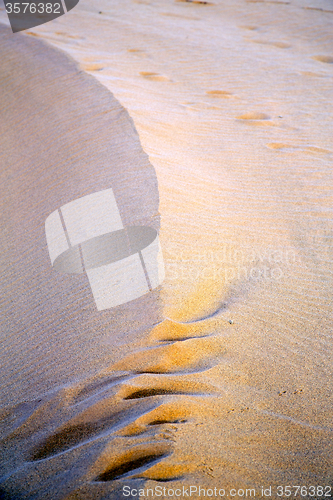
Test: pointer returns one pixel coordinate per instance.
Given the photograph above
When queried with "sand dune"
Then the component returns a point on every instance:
(222, 376)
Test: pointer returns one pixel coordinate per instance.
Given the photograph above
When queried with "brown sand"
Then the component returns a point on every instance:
(223, 377)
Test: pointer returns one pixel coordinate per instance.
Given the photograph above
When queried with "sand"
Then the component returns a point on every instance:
(222, 376)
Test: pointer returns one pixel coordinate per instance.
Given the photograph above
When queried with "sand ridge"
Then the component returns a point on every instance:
(226, 377)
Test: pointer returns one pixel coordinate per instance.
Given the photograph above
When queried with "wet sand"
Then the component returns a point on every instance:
(222, 377)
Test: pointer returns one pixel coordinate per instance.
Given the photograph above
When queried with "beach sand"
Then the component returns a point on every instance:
(221, 377)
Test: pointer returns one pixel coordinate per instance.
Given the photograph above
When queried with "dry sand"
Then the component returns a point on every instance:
(222, 377)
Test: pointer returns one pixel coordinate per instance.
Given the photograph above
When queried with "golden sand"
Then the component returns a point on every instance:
(221, 378)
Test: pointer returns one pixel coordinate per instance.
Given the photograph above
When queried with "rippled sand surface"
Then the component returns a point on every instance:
(223, 376)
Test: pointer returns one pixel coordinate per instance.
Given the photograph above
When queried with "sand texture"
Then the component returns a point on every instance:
(212, 123)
